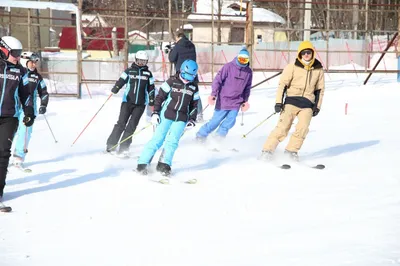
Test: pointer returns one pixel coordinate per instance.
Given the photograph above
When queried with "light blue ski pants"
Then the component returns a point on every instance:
(168, 132)
(22, 137)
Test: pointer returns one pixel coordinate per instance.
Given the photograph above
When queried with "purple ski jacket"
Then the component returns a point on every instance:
(232, 86)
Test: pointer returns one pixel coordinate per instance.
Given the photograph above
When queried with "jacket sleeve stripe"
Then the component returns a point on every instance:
(196, 96)
(165, 87)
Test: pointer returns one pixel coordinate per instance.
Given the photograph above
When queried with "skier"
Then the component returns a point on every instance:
(303, 83)
(14, 94)
(183, 50)
(230, 92)
(175, 109)
(37, 87)
(138, 93)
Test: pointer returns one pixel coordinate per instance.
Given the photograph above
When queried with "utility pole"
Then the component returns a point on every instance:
(307, 21)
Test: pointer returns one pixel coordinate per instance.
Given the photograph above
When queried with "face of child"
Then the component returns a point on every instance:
(31, 65)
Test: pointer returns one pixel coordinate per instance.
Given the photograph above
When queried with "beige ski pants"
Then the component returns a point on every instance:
(286, 119)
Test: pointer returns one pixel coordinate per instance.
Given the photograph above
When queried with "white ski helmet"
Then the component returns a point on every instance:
(141, 58)
(28, 56)
(10, 45)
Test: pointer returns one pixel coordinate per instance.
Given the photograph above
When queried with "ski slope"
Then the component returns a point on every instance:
(82, 207)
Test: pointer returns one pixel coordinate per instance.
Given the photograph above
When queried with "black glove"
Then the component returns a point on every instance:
(115, 89)
(42, 110)
(315, 111)
(278, 107)
(28, 120)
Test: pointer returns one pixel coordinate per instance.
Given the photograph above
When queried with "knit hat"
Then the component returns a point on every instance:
(243, 57)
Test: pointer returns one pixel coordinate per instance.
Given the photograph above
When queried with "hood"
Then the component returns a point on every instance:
(185, 42)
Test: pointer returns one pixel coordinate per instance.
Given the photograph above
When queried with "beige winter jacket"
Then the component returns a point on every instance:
(303, 84)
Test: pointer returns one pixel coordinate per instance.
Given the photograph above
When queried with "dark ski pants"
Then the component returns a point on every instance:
(131, 112)
(8, 127)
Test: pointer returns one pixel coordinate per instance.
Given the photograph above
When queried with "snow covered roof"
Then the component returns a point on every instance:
(186, 27)
(45, 5)
(231, 8)
(135, 34)
(93, 20)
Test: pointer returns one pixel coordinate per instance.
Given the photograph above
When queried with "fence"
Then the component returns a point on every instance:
(101, 46)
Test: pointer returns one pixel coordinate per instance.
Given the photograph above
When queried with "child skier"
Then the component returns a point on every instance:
(175, 109)
(37, 87)
(230, 92)
(138, 93)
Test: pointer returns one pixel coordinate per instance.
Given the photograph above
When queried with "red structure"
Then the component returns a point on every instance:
(68, 38)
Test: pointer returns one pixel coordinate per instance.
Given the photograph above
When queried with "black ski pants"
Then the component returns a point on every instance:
(8, 127)
(129, 112)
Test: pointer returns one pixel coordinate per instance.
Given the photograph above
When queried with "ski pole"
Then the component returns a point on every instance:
(92, 119)
(136, 132)
(259, 124)
(50, 129)
(26, 140)
(242, 119)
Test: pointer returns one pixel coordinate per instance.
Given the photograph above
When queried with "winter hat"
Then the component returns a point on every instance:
(243, 57)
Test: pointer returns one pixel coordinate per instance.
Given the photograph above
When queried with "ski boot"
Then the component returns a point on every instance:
(163, 168)
(109, 150)
(142, 169)
(292, 155)
(266, 156)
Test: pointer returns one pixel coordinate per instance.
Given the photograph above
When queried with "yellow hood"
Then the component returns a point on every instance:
(306, 45)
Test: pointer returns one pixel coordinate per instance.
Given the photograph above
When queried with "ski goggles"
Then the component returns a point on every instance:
(34, 58)
(16, 52)
(243, 59)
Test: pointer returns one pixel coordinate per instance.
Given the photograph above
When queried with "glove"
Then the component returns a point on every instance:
(245, 106)
(155, 119)
(315, 111)
(115, 89)
(28, 120)
(211, 100)
(42, 110)
(29, 116)
(278, 107)
(191, 124)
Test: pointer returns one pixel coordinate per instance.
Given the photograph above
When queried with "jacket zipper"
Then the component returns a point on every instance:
(4, 87)
(138, 87)
(305, 85)
(177, 102)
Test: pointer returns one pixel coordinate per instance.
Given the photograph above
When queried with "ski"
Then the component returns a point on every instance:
(121, 156)
(165, 180)
(285, 166)
(4, 208)
(317, 166)
(21, 168)
(219, 150)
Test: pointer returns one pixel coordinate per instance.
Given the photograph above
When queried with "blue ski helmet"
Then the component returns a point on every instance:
(189, 69)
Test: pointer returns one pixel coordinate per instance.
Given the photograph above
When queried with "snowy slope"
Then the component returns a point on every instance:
(81, 207)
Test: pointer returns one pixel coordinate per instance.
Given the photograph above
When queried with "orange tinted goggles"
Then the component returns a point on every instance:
(243, 60)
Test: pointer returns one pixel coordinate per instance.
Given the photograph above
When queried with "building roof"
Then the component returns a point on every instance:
(232, 9)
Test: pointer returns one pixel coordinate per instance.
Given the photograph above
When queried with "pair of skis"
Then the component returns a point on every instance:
(165, 180)
(288, 166)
